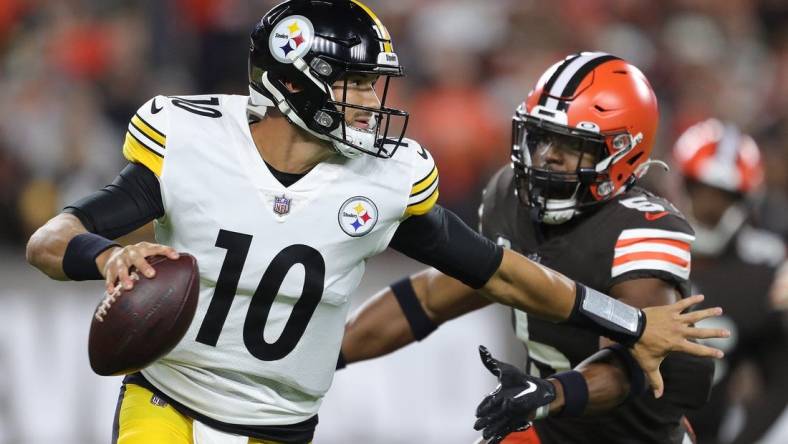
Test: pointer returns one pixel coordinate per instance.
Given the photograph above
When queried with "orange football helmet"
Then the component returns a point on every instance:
(719, 155)
(596, 104)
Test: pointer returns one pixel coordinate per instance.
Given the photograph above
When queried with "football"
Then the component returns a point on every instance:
(131, 329)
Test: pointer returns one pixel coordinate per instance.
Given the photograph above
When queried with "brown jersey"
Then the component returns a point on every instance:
(739, 280)
(634, 236)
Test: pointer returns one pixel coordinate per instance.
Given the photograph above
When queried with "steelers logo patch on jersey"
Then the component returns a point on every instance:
(357, 216)
(291, 39)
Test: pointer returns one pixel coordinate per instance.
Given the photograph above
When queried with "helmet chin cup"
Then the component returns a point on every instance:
(558, 211)
(354, 138)
(551, 211)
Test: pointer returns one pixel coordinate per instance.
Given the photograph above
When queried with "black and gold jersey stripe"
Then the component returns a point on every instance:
(423, 194)
(145, 144)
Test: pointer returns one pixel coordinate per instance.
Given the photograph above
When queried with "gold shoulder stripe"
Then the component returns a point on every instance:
(424, 183)
(135, 151)
(147, 129)
(424, 206)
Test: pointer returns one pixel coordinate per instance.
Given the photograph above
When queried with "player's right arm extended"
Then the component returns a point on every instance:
(63, 247)
(393, 318)
(439, 238)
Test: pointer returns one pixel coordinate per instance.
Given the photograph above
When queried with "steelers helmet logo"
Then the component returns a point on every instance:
(357, 216)
(291, 39)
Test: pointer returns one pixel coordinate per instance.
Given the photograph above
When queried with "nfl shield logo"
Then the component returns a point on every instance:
(281, 205)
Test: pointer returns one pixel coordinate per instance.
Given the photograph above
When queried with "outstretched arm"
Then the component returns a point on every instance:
(380, 326)
(439, 238)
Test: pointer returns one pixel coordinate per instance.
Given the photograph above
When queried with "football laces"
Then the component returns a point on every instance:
(110, 298)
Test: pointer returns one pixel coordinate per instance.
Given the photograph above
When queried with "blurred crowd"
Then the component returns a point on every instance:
(72, 73)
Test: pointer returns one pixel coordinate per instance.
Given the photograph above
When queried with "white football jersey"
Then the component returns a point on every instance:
(277, 265)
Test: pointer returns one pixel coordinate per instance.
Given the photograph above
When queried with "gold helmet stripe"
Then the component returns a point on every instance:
(382, 31)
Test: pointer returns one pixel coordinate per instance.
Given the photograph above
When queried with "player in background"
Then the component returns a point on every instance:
(310, 169)
(569, 200)
(735, 265)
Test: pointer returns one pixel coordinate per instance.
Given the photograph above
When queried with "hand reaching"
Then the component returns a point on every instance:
(668, 329)
(513, 404)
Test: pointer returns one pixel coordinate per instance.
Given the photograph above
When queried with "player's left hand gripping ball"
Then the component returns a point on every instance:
(511, 406)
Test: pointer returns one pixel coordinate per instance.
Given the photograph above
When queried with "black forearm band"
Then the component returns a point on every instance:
(606, 316)
(79, 260)
(341, 361)
(637, 379)
(420, 324)
(575, 393)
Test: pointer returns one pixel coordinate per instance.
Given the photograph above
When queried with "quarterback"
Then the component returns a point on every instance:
(281, 196)
(581, 139)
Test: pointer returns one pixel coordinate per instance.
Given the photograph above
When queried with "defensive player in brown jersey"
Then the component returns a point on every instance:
(736, 265)
(569, 200)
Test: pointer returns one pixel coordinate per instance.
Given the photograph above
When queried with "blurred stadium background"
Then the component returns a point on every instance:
(72, 72)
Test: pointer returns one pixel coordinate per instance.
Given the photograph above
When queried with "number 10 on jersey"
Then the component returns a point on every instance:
(237, 246)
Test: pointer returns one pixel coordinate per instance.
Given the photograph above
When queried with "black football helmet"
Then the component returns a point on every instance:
(313, 44)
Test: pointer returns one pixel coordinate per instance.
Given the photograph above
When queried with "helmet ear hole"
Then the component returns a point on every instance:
(292, 86)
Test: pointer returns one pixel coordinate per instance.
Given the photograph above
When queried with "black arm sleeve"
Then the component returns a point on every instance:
(442, 240)
(129, 202)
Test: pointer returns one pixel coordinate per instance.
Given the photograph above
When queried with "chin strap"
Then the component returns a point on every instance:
(258, 103)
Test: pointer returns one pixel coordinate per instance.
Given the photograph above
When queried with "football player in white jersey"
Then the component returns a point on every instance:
(304, 171)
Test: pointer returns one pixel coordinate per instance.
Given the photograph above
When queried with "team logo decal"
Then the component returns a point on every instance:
(291, 38)
(357, 216)
(281, 205)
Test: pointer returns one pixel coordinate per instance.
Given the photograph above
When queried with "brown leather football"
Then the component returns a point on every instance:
(133, 328)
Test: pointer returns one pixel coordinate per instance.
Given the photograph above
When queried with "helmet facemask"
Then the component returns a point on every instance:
(374, 140)
(557, 195)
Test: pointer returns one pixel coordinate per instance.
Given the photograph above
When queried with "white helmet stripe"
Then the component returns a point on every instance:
(565, 75)
(727, 146)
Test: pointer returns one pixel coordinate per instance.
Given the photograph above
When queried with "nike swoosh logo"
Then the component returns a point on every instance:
(530, 389)
(655, 216)
(153, 108)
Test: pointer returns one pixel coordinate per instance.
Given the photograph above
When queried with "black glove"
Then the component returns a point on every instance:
(508, 408)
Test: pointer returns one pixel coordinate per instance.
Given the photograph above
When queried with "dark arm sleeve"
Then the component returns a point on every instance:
(441, 239)
(129, 202)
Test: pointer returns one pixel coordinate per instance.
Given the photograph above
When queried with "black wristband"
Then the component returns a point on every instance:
(79, 260)
(607, 316)
(575, 393)
(420, 324)
(341, 361)
(637, 379)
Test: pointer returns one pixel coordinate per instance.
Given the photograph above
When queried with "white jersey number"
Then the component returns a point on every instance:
(641, 203)
(237, 246)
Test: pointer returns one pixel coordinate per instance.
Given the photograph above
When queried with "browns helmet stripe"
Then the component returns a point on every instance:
(549, 84)
(579, 75)
(727, 147)
(568, 77)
